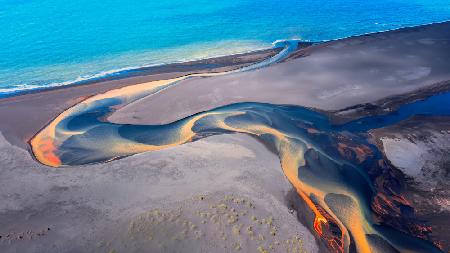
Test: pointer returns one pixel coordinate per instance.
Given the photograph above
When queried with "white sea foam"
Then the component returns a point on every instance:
(175, 55)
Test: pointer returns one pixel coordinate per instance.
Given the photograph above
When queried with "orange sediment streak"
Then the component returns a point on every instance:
(44, 151)
(45, 145)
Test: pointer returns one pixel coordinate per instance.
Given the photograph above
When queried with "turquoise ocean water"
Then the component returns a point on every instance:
(53, 42)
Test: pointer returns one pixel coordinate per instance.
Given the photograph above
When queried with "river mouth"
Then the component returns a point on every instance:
(332, 167)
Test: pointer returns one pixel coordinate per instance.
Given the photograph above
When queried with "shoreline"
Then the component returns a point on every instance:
(327, 77)
(184, 66)
(64, 97)
(125, 73)
(28, 113)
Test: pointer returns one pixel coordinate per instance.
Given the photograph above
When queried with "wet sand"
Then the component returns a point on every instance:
(329, 76)
(24, 115)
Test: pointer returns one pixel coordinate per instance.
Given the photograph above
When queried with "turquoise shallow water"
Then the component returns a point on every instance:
(51, 42)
